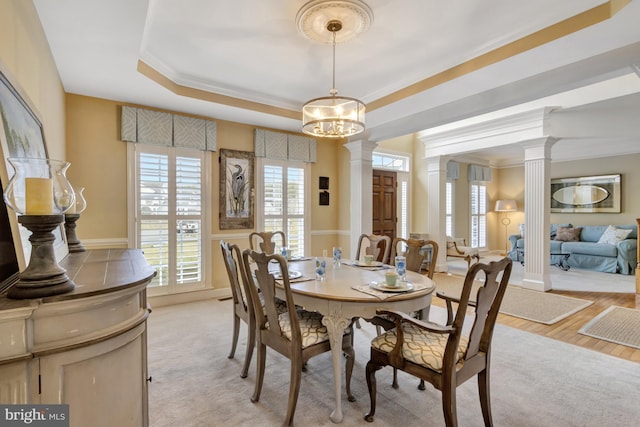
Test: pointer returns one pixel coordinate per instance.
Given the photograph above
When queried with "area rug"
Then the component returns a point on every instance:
(535, 381)
(620, 325)
(526, 304)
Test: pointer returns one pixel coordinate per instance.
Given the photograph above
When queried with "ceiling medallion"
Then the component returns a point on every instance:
(312, 19)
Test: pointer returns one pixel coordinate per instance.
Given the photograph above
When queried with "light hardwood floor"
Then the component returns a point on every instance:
(566, 330)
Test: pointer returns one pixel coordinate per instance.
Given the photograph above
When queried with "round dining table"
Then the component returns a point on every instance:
(346, 293)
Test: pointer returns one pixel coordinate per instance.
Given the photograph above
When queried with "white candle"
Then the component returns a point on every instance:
(39, 196)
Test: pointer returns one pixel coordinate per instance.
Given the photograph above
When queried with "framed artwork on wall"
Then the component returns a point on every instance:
(21, 136)
(586, 194)
(236, 189)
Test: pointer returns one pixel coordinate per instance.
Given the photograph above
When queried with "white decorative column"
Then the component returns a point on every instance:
(436, 202)
(537, 206)
(361, 187)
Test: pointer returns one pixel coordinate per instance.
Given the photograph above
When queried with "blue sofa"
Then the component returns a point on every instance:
(588, 253)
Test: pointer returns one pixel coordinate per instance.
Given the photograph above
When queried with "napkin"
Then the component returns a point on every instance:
(384, 295)
(351, 264)
(369, 290)
(297, 279)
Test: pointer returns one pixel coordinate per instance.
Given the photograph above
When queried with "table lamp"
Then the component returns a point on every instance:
(506, 206)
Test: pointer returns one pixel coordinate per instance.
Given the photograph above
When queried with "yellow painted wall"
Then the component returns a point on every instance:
(99, 163)
(26, 60)
(512, 186)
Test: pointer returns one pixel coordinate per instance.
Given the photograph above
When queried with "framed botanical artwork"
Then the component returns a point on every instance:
(21, 136)
(236, 189)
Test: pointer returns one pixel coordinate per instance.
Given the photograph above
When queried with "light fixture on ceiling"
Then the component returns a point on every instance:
(333, 116)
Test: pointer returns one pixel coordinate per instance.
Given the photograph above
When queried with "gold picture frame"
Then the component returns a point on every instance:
(236, 189)
(586, 194)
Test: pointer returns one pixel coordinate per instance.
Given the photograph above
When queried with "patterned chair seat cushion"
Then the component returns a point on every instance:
(281, 305)
(420, 347)
(311, 327)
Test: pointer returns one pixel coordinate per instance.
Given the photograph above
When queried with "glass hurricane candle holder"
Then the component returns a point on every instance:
(71, 217)
(40, 193)
(39, 187)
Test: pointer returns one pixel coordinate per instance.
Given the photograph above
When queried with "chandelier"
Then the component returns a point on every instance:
(333, 116)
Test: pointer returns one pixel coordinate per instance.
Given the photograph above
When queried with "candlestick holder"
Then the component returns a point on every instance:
(40, 193)
(43, 276)
(71, 217)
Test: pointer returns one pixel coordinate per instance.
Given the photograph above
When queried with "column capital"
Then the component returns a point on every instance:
(437, 163)
(361, 149)
(539, 148)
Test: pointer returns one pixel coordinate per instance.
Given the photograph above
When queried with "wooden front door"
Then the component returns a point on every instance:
(384, 203)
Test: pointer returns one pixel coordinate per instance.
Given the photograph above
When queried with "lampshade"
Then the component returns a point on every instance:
(506, 205)
(333, 116)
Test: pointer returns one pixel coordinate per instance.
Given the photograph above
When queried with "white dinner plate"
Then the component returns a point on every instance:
(292, 275)
(363, 264)
(402, 287)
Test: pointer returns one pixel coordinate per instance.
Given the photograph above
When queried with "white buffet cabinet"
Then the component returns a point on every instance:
(86, 348)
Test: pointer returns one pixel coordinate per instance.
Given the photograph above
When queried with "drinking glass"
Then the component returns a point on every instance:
(337, 256)
(321, 266)
(401, 267)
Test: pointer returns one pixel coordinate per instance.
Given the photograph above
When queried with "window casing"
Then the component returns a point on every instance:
(168, 193)
(284, 201)
(478, 205)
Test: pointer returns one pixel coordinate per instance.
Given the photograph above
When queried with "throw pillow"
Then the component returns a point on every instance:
(613, 235)
(568, 234)
(521, 227)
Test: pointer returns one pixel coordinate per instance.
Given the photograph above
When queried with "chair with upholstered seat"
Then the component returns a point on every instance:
(457, 247)
(265, 241)
(296, 334)
(441, 354)
(420, 254)
(242, 303)
(378, 246)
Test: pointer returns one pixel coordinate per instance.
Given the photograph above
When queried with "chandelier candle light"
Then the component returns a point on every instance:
(40, 193)
(333, 116)
(506, 206)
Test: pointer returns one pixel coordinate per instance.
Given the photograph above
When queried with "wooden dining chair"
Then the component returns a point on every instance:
(242, 303)
(297, 334)
(378, 246)
(266, 241)
(441, 354)
(420, 254)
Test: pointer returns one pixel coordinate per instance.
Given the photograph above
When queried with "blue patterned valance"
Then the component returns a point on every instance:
(170, 130)
(284, 146)
(479, 173)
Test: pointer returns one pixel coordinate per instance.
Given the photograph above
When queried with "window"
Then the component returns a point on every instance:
(390, 161)
(284, 201)
(168, 217)
(478, 204)
(448, 219)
